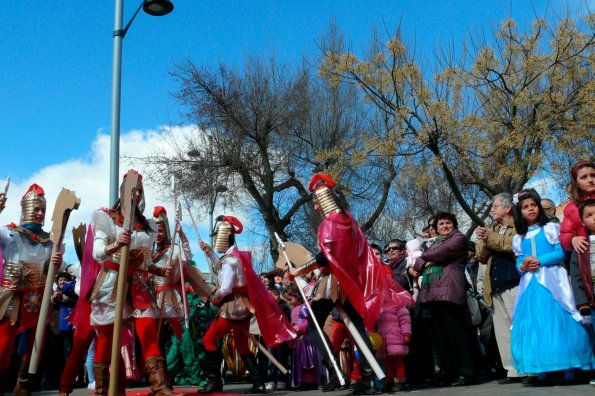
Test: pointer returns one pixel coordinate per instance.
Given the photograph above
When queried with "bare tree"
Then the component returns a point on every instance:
(492, 118)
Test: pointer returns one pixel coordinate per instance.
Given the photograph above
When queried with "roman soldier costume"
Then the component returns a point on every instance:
(240, 294)
(139, 307)
(364, 287)
(168, 288)
(27, 253)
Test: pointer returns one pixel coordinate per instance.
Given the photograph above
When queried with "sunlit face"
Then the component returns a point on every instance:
(432, 231)
(498, 210)
(161, 233)
(62, 282)
(393, 251)
(589, 218)
(286, 280)
(529, 211)
(585, 180)
(548, 207)
(39, 213)
(292, 300)
(445, 227)
(377, 253)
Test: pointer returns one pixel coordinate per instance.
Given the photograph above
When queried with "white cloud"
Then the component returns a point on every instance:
(88, 177)
(547, 187)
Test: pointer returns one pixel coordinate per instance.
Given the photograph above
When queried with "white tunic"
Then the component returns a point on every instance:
(103, 305)
(170, 310)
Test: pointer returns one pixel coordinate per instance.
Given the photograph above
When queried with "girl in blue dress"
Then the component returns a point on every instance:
(547, 334)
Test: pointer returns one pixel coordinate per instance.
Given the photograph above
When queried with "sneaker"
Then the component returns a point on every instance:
(270, 386)
(91, 385)
(592, 382)
(281, 385)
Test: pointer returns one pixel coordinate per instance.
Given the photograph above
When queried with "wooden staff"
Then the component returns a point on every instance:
(265, 352)
(181, 261)
(214, 279)
(361, 344)
(66, 203)
(128, 204)
(162, 300)
(312, 316)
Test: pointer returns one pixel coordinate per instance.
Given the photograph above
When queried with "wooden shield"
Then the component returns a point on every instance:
(297, 254)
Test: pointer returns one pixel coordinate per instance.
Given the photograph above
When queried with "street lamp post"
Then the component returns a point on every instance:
(151, 7)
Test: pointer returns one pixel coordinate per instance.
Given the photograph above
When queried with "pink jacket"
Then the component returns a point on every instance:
(392, 325)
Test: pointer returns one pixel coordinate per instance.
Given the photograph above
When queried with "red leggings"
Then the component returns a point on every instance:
(395, 367)
(80, 346)
(221, 327)
(146, 330)
(8, 334)
(339, 332)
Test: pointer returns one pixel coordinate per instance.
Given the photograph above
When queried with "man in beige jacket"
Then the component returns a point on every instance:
(501, 279)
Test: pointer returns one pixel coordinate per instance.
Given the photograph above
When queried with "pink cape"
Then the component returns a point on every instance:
(274, 325)
(361, 276)
(81, 314)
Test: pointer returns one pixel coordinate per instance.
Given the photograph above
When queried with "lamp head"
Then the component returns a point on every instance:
(158, 7)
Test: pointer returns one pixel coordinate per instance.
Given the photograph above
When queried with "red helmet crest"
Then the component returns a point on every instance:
(321, 179)
(235, 222)
(158, 211)
(36, 188)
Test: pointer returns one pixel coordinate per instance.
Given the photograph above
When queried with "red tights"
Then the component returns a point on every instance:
(146, 330)
(221, 327)
(8, 334)
(395, 367)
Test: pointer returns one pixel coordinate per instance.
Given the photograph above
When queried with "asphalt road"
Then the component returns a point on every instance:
(487, 388)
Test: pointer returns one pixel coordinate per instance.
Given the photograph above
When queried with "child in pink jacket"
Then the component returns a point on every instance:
(394, 326)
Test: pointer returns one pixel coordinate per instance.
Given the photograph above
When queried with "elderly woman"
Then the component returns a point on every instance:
(443, 295)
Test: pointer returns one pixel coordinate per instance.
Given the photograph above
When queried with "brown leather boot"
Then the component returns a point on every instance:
(101, 371)
(23, 380)
(155, 371)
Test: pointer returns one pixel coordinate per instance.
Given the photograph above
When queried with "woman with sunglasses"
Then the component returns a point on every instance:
(397, 259)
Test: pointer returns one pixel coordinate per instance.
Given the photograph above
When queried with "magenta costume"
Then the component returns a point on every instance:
(361, 276)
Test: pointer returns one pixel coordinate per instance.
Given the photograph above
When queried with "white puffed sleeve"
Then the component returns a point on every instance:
(517, 242)
(552, 233)
(103, 233)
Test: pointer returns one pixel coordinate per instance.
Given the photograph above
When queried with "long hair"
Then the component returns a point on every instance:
(519, 221)
(140, 218)
(575, 193)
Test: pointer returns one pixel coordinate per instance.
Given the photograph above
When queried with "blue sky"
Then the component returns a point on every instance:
(57, 59)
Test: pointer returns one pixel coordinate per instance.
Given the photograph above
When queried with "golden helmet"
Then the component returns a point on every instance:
(320, 187)
(229, 225)
(33, 198)
(160, 216)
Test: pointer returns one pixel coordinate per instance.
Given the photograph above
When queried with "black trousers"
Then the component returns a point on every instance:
(451, 338)
(322, 308)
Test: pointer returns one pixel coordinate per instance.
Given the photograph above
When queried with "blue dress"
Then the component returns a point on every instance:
(546, 332)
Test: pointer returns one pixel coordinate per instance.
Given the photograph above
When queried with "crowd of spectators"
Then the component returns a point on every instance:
(475, 313)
